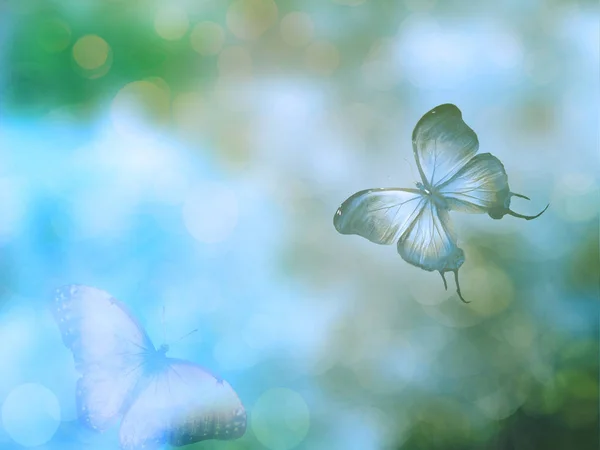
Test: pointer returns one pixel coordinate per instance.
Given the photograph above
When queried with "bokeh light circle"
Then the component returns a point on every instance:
(171, 23)
(31, 414)
(54, 35)
(296, 29)
(249, 19)
(280, 419)
(139, 102)
(207, 38)
(210, 212)
(90, 52)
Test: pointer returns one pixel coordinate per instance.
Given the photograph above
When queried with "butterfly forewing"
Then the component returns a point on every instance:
(379, 215)
(108, 347)
(442, 144)
(182, 404)
(429, 242)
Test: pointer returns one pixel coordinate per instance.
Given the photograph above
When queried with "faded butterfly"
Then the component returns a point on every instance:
(453, 178)
(160, 400)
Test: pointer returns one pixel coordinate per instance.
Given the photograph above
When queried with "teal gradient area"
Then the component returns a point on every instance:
(188, 158)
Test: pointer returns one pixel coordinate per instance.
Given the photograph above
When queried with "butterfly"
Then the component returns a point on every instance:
(160, 399)
(453, 178)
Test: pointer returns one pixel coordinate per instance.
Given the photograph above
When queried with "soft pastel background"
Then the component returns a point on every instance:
(191, 154)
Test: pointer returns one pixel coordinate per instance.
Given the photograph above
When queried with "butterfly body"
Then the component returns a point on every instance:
(453, 178)
(156, 360)
(432, 195)
(159, 399)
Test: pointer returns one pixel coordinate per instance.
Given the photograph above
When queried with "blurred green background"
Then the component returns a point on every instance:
(178, 152)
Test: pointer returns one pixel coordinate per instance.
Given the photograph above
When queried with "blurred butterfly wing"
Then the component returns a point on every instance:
(479, 187)
(430, 243)
(442, 143)
(108, 347)
(379, 215)
(181, 405)
(102, 394)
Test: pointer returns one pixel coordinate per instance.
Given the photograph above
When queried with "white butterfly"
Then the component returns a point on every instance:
(160, 399)
(454, 178)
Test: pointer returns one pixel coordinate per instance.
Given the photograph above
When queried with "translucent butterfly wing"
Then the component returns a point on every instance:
(180, 405)
(108, 347)
(379, 215)
(442, 144)
(480, 186)
(430, 243)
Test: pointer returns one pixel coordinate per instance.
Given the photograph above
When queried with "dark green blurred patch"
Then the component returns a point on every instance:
(584, 272)
(42, 74)
(440, 423)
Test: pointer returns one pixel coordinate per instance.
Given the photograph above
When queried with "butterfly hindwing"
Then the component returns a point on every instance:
(108, 347)
(430, 243)
(442, 144)
(180, 405)
(379, 215)
(104, 392)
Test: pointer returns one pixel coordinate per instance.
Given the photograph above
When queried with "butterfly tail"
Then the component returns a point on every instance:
(444, 278)
(514, 194)
(458, 287)
(521, 216)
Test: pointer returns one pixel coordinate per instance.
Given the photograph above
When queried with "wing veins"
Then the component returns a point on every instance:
(131, 342)
(466, 195)
(135, 368)
(178, 374)
(393, 206)
(435, 157)
(130, 354)
(437, 228)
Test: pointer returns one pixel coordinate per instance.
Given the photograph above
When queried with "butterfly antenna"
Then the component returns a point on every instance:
(521, 216)
(164, 323)
(458, 287)
(444, 278)
(411, 169)
(185, 335)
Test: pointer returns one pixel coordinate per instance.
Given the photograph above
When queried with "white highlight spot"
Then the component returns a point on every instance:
(171, 23)
(31, 414)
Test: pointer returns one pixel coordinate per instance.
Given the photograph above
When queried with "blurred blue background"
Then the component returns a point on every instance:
(190, 155)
